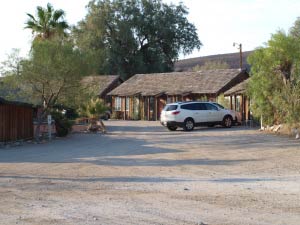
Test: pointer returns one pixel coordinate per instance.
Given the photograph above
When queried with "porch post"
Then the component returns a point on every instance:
(234, 102)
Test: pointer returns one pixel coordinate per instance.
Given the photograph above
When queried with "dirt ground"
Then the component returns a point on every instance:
(140, 173)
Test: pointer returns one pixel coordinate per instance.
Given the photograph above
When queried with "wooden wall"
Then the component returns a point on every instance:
(16, 122)
(150, 110)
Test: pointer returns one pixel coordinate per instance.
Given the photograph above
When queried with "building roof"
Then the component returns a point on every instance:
(238, 89)
(232, 59)
(102, 83)
(179, 83)
(4, 101)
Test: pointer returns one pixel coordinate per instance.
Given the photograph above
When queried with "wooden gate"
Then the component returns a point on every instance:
(16, 122)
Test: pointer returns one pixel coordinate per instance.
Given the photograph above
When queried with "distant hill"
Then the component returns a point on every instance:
(232, 59)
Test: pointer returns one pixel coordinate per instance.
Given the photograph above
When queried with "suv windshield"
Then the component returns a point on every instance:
(170, 107)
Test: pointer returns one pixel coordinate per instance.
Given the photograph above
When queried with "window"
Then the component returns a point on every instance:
(118, 104)
(200, 106)
(211, 106)
(192, 106)
(219, 105)
(170, 107)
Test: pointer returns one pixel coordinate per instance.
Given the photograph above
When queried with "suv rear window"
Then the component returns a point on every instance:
(170, 107)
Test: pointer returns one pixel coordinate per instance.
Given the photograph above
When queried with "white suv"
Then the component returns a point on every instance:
(190, 114)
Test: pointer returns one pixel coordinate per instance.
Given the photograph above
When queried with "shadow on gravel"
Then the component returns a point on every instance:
(134, 179)
(113, 128)
(102, 179)
(243, 180)
(105, 149)
(163, 130)
(81, 148)
(165, 162)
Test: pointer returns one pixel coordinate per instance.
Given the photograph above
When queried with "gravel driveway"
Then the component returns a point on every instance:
(140, 173)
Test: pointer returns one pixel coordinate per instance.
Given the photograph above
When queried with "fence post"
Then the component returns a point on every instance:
(49, 117)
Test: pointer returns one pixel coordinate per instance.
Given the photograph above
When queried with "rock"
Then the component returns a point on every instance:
(186, 189)
(296, 132)
(201, 223)
(96, 126)
(262, 129)
(95, 218)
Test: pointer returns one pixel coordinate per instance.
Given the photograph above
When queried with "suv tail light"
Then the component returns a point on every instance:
(176, 112)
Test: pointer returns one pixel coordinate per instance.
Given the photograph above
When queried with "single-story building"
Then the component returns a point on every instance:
(16, 120)
(143, 96)
(239, 101)
(102, 84)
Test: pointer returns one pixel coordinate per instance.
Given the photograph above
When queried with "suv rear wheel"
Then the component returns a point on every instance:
(172, 128)
(227, 121)
(189, 124)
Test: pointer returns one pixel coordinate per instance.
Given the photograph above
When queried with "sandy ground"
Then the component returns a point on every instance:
(140, 173)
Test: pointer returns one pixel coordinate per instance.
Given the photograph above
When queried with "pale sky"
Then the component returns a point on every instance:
(219, 22)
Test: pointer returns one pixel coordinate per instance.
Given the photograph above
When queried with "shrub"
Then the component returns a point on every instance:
(62, 124)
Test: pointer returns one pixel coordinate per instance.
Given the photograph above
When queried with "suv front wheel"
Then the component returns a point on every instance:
(189, 124)
(227, 121)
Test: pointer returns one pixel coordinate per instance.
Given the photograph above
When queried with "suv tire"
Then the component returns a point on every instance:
(189, 124)
(227, 121)
(172, 128)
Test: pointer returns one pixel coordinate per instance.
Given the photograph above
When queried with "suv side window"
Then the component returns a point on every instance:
(192, 106)
(200, 106)
(210, 107)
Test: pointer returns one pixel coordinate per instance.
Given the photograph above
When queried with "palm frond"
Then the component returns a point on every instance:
(31, 17)
(63, 25)
(58, 14)
(33, 26)
(47, 22)
(49, 8)
(41, 15)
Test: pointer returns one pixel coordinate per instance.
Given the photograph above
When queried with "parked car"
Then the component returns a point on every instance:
(191, 114)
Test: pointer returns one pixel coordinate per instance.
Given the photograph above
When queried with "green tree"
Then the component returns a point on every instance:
(52, 73)
(275, 83)
(10, 83)
(47, 23)
(12, 65)
(295, 30)
(93, 108)
(136, 36)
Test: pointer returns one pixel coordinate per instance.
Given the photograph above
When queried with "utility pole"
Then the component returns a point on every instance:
(239, 46)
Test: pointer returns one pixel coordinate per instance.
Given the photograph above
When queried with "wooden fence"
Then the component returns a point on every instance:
(16, 122)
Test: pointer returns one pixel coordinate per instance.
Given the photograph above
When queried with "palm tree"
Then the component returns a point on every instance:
(48, 23)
